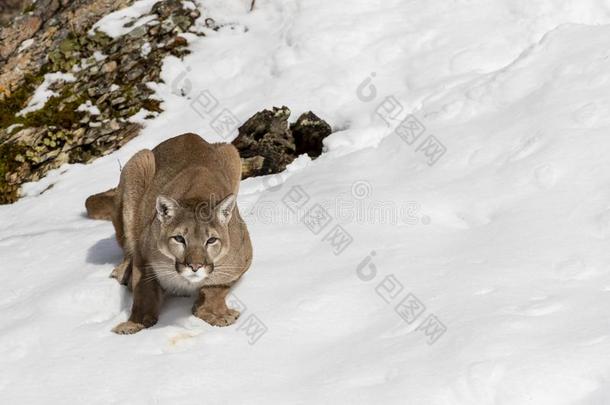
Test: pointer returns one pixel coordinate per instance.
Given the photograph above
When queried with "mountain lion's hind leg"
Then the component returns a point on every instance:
(136, 176)
(101, 206)
(212, 308)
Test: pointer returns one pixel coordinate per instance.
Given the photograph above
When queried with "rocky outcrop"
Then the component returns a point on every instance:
(89, 115)
(267, 143)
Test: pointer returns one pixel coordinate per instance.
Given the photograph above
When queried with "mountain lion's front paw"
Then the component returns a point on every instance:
(128, 328)
(223, 319)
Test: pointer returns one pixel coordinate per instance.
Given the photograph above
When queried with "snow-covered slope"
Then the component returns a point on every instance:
(502, 241)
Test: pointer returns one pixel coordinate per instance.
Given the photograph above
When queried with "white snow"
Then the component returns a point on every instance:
(89, 107)
(504, 239)
(142, 115)
(189, 5)
(25, 45)
(42, 94)
(99, 56)
(12, 127)
(114, 24)
(145, 50)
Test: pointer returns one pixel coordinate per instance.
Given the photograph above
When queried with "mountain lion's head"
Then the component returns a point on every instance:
(194, 234)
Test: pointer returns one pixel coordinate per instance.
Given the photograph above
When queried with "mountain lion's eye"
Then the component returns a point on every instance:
(179, 239)
(212, 240)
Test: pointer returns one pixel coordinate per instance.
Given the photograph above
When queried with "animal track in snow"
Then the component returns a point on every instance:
(14, 350)
(9, 297)
(478, 383)
(485, 291)
(587, 115)
(527, 147)
(478, 214)
(594, 341)
(537, 306)
(602, 224)
(573, 268)
(546, 176)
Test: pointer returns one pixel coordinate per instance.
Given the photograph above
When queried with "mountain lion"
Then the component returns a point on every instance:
(175, 217)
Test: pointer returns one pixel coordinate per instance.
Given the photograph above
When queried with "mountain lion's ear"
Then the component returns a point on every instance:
(166, 208)
(224, 209)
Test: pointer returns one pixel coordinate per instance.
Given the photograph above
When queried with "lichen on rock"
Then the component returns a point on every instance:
(111, 79)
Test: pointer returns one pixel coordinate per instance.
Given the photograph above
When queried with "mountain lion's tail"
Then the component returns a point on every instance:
(100, 206)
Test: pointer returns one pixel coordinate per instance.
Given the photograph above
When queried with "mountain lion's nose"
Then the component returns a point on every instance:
(195, 266)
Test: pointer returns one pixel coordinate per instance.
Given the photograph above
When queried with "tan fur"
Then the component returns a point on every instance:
(100, 206)
(174, 212)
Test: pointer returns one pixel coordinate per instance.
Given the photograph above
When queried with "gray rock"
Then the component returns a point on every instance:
(309, 131)
(118, 100)
(138, 32)
(267, 144)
